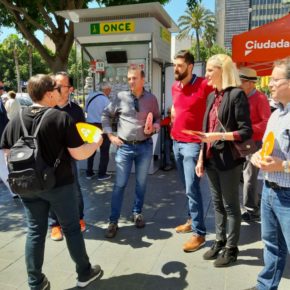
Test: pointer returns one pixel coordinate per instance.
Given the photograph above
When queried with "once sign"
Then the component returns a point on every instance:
(112, 27)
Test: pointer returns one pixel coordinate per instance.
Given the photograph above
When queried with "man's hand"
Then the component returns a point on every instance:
(271, 164)
(115, 140)
(268, 163)
(199, 169)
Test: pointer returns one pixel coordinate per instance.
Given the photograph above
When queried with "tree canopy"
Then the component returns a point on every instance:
(30, 16)
(198, 23)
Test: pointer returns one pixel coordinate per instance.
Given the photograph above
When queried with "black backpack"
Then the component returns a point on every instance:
(28, 172)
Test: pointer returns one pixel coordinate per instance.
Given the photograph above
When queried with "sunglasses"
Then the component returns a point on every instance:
(58, 89)
(136, 104)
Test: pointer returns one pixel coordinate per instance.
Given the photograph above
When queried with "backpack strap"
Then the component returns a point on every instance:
(38, 126)
(57, 160)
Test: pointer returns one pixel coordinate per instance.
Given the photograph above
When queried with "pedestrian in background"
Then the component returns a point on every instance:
(3, 122)
(227, 119)
(94, 107)
(12, 105)
(259, 113)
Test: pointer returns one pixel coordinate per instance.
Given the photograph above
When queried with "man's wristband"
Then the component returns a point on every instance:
(286, 166)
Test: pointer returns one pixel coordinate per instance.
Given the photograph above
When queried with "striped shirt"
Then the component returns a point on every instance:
(279, 123)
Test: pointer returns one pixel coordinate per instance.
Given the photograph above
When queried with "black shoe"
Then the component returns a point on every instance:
(104, 177)
(253, 288)
(214, 250)
(138, 219)
(95, 272)
(45, 285)
(250, 217)
(227, 257)
(90, 175)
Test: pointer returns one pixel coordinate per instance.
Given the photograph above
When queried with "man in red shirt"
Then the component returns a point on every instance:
(189, 94)
(259, 113)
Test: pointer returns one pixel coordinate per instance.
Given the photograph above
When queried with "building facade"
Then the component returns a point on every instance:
(235, 16)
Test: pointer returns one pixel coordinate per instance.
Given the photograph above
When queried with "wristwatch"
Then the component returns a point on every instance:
(286, 166)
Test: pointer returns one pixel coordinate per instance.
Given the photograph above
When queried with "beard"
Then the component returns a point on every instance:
(180, 76)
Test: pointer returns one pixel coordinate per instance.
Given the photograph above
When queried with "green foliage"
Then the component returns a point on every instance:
(206, 52)
(29, 16)
(199, 23)
(7, 62)
(191, 4)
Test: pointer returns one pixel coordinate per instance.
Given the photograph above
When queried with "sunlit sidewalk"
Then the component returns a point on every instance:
(136, 259)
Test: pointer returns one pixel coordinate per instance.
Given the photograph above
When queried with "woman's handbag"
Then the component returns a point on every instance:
(240, 149)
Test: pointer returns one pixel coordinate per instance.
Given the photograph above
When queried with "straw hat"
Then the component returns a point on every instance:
(248, 74)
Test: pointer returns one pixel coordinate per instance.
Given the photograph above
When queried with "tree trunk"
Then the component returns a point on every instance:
(30, 60)
(197, 45)
(19, 87)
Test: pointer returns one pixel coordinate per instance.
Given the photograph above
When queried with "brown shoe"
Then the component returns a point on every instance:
(195, 243)
(186, 228)
(111, 230)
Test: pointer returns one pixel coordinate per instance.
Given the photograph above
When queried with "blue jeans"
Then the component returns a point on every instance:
(52, 215)
(63, 201)
(275, 215)
(141, 155)
(186, 155)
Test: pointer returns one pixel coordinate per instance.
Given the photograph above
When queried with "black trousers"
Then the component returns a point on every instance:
(104, 156)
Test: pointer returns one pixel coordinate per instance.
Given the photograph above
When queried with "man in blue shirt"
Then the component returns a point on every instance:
(275, 204)
(95, 104)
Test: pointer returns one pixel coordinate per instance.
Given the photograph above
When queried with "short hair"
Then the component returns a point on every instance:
(230, 74)
(11, 94)
(38, 85)
(104, 85)
(133, 69)
(286, 63)
(65, 74)
(186, 55)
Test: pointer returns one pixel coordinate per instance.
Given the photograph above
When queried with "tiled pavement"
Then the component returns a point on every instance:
(136, 259)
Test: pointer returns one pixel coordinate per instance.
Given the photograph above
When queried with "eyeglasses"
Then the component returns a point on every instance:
(136, 104)
(275, 81)
(58, 89)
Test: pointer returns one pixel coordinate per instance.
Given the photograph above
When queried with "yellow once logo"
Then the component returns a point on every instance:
(165, 35)
(117, 27)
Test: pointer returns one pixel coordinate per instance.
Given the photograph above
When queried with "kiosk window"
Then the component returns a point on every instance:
(116, 56)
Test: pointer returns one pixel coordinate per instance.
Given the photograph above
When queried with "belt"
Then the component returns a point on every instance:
(274, 185)
(133, 142)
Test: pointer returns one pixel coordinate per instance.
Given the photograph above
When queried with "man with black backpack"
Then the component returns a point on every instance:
(58, 141)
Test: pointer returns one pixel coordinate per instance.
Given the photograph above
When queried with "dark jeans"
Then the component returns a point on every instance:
(224, 186)
(62, 200)
(252, 185)
(104, 156)
(54, 221)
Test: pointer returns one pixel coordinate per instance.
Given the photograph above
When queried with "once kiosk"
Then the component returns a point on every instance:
(115, 38)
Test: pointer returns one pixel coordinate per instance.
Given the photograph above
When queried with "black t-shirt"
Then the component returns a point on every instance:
(57, 131)
(75, 111)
